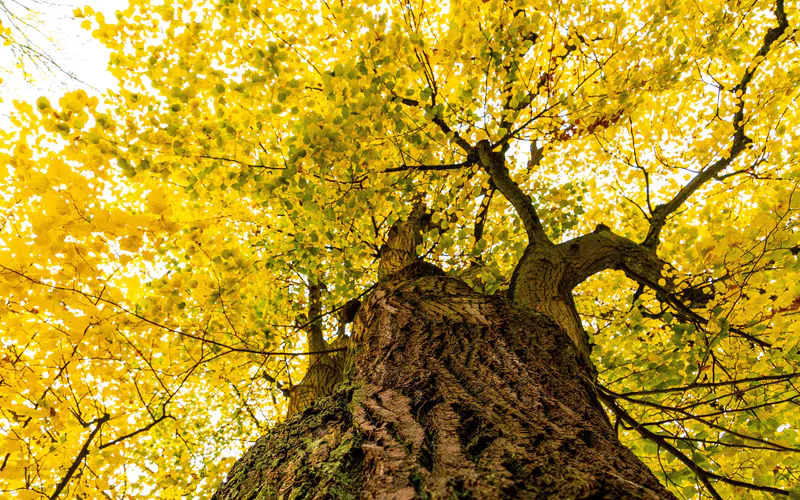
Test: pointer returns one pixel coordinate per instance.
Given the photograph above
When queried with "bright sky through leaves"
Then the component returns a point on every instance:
(71, 57)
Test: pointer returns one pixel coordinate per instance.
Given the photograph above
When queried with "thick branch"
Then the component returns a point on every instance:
(494, 164)
(400, 249)
(739, 143)
(316, 341)
(463, 143)
(595, 252)
(602, 249)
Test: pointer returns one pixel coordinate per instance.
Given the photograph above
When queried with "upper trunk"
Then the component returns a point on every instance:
(453, 393)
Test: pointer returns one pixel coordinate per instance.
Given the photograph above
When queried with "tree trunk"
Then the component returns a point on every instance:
(452, 394)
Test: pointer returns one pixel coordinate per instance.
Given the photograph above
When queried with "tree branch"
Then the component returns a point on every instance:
(679, 306)
(137, 431)
(602, 249)
(242, 163)
(702, 474)
(740, 140)
(483, 213)
(81, 455)
(463, 143)
(316, 340)
(659, 215)
(711, 423)
(429, 168)
(494, 164)
(711, 385)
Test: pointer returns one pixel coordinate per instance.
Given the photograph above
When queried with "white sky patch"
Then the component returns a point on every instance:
(54, 30)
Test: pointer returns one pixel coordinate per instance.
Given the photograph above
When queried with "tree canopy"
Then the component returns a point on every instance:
(158, 242)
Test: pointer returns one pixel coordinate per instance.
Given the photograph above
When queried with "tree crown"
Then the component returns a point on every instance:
(159, 241)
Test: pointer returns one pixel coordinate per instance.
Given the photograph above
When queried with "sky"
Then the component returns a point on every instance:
(54, 29)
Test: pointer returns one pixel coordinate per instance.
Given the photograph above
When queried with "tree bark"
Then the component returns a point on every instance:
(452, 394)
(546, 275)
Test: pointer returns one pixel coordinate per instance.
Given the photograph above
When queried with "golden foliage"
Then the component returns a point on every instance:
(157, 240)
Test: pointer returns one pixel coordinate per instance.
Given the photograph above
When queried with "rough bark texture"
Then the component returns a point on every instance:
(543, 282)
(546, 275)
(453, 394)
